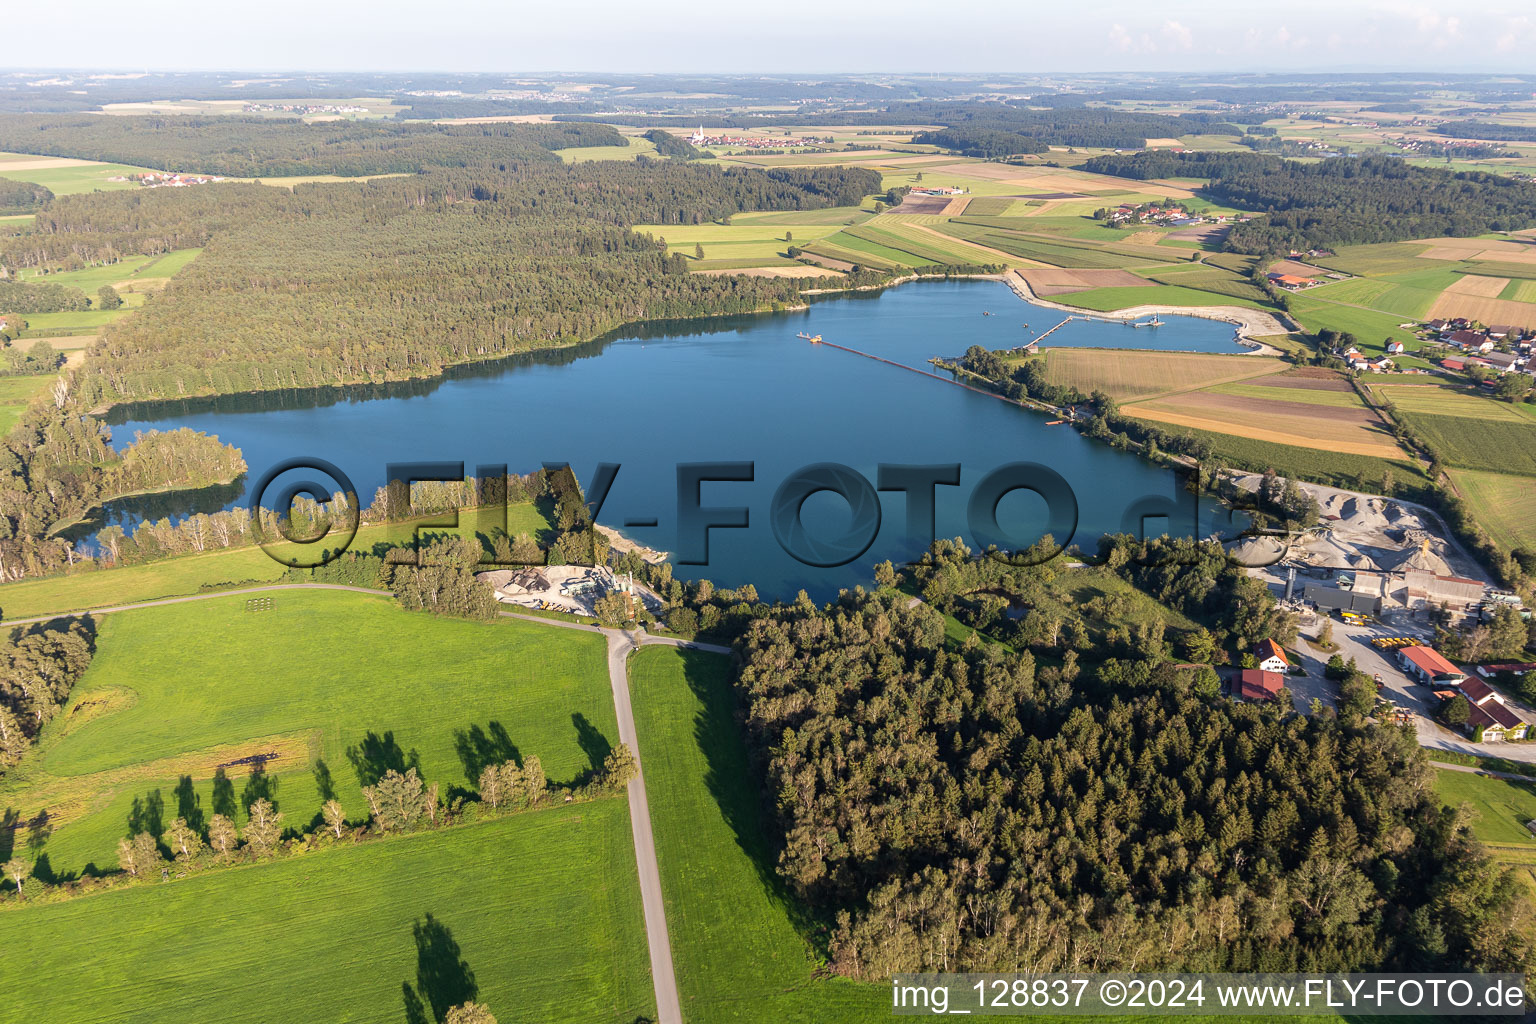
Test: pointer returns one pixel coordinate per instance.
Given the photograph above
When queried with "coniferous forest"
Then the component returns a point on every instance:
(967, 808)
(1343, 201)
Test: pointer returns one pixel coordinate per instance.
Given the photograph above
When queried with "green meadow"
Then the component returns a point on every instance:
(737, 943)
(356, 686)
(91, 587)
(543, 909)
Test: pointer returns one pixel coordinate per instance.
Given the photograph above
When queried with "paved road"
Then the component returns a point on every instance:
(620, 645)
(663, 977)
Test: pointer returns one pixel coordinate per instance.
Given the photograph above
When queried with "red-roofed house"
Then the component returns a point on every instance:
(1255, 684)
(1491, 720)
(1271, 657)
(1427, 665)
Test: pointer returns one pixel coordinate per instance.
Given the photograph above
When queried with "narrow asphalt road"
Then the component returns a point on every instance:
(620, 645)
(1511, 776)
(663, 977)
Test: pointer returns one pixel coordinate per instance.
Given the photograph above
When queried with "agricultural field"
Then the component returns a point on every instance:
(1468, 430)
(1502, 504)
(65, 176)
(1307, 410)
(747, 242)
(544, 909)
(1128, 374)
(634, 147)
(738, 942)
(406, 688)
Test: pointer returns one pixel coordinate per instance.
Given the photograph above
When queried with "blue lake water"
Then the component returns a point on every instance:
(742, 389)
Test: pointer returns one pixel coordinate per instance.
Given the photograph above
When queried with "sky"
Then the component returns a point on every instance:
(786, 36)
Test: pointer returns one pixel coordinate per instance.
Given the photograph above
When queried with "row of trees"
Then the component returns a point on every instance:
(399, 800)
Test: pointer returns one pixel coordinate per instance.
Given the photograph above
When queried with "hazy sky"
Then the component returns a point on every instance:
(791, 36)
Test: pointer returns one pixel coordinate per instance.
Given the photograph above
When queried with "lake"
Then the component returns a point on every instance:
(741, 389)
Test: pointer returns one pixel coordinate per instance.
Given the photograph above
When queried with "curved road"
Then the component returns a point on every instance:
(621, 644)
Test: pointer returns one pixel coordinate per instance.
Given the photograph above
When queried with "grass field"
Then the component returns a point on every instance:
(348, 665)
(544, 907)
(1448, 400)
(16, 393)
(739, 954)
(633, 148)
(1502, 504)
(1126, 373)
(1500, 807)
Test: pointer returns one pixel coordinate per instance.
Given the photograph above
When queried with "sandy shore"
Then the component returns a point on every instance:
(1249, 322)
(619, 542)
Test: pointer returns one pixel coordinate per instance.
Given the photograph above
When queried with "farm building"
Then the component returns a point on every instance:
(1331, 599)
(1453, 364)
(1501, 360)
(1271, 657)
(1491, 720)
(1428, 665)
(1256, 684)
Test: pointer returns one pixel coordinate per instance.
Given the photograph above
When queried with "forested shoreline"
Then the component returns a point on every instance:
(495, 249)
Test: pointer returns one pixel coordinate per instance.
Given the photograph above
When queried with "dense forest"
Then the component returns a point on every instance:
(1072, 125)
(957, 808)
(981, 142)
(21, 197)
(1343, 201)
(670, 145)
(1488, 130)
(258, 146)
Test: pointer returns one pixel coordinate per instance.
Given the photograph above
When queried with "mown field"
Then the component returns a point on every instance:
(544, 908)
(354, 684)
(1502, 504)
(1127, 374)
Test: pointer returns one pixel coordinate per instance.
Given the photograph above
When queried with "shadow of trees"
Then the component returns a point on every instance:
(443, 977)
(736, 784)
(260, 786)
(147, 814)
(377, 754)
(479, 747)
(592, 742)
(224, 795)
(189, 805)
